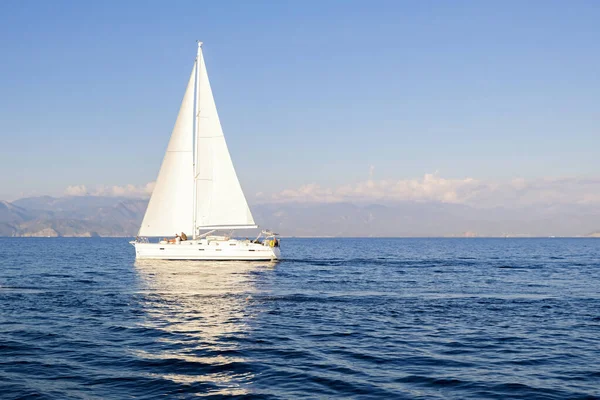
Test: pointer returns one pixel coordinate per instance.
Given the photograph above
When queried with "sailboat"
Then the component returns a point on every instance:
(197, 190)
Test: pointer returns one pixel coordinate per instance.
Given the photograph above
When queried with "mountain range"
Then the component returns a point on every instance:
(71, 216)
(121, 216)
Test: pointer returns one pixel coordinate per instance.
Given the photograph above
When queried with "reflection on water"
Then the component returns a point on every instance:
(199, 310)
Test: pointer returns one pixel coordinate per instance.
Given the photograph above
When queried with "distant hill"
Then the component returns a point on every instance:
(12, 213)
(71, 216)
(115, 216)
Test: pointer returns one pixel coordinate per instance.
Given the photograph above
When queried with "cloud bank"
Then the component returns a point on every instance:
(517, 192)
(112, 191)
(434, 188)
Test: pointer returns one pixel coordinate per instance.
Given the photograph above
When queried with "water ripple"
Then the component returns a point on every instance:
(339, 318)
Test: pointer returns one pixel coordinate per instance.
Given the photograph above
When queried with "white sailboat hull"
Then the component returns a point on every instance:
(207, 250)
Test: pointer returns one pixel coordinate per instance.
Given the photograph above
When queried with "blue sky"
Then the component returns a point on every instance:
(316, 92)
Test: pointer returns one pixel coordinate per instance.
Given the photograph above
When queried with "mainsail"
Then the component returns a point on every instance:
(170, 208)
(196, 189)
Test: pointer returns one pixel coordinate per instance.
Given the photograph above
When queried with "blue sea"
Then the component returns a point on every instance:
(337, 319)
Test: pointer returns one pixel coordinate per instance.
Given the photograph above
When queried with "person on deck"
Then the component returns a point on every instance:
(183, 236)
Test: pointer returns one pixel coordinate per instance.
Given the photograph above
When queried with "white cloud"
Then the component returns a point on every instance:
(432, 187)
(78, 190)
(112, 191)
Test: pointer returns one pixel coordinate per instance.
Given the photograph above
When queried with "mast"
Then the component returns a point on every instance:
(195, 140)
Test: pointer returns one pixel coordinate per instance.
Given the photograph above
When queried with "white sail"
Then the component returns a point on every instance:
(170, 209)
(197, 189)
(220, 201)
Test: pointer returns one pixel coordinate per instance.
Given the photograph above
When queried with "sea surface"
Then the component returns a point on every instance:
(337, 319)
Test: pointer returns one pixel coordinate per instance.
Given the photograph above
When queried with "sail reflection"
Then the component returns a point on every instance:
(200, 311)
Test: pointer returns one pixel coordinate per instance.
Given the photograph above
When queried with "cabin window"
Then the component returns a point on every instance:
(251, 250)
(232, 244)
(218, 250)
(162, 248)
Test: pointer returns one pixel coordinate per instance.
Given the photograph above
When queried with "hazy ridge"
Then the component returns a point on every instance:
(71, 216)
(86, 216)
